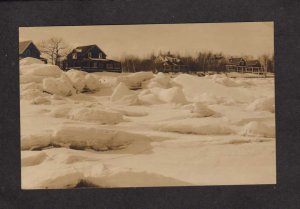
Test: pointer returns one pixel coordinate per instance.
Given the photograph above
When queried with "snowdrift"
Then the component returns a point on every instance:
(30, 61)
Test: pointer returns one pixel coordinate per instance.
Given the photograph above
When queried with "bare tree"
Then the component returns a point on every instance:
(54, 48)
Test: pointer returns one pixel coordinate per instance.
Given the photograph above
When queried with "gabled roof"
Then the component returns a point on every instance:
(235, 61)
(168, 59)
(82, 50)
(252, 62)
(23, 46)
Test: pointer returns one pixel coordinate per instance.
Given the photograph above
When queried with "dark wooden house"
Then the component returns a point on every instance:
(28, 49)
(91, 59)
(169, 63)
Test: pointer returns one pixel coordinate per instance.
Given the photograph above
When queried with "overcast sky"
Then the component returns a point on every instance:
(255, 38)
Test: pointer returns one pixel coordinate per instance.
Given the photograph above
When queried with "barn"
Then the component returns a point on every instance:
(90, 58)
(28, 49)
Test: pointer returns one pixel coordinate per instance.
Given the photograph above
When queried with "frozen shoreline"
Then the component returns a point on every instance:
(186, 130)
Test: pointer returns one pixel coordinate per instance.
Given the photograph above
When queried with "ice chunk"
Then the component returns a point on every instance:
(44, 70)
(201, 110)
(171, 95)
(61, 86)
(122, 94)
(96, 115)
(262, 104)
(258, 129)
(135, 80)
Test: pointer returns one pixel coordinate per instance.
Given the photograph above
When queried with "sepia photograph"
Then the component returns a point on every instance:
(147, 105)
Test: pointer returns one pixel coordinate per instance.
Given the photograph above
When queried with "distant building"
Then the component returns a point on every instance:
(253, 63)
(234, 63)
(91, 59)
(245, 66)
(169, 63)
(28, 49)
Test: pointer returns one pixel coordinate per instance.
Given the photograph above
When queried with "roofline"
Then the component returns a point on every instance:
(29, 42)
(91, 46)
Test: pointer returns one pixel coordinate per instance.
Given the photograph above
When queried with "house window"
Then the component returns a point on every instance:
(27, 53)
(117, 65)
(101, 66)
(100, 55)
(109, 66)
(95, 64)
(74, 55)
(90, 54)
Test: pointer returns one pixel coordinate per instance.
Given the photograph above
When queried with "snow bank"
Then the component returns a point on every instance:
(30, 61)
(123, 95)
(190, 126)
(262, 104)
(258, 129)
(61, 86)
(96, 115)
(135, 80)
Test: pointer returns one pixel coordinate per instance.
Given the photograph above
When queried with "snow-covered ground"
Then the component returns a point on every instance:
(141, 129)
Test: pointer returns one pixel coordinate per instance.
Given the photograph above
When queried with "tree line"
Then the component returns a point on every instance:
(201, 62)
(56, 48)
